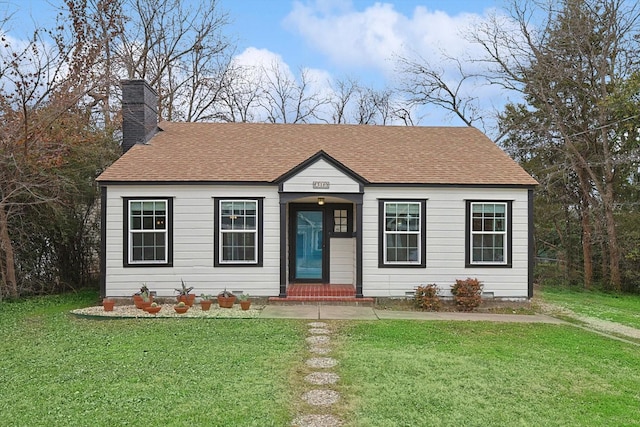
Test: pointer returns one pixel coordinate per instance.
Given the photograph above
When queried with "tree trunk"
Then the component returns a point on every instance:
(587, 232)
(6, 251)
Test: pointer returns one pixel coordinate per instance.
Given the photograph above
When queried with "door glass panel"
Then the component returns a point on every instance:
(309, 245)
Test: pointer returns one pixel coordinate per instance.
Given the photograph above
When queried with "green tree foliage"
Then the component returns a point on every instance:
(576, 132)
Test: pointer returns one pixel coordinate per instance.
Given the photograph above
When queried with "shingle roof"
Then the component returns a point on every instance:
(260, 152)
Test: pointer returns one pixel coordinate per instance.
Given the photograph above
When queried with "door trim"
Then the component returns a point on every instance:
(293, 213)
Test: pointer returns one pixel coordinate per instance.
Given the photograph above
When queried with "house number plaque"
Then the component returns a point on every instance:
(324, 185)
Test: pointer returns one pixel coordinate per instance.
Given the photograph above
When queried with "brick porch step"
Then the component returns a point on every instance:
(328, 294)
(322, 300)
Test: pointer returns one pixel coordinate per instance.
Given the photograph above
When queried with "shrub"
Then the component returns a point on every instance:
(427, 298)
(467, 294)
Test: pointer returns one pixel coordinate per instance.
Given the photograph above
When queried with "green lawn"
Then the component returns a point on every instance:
(408, 373)
(624, 309)
(58, 370)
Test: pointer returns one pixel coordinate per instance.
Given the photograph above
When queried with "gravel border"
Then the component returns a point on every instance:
(167, 311)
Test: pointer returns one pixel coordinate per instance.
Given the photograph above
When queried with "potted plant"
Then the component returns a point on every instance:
(142, 297)
(245, 302)
(154, 308)
(184, 295)
(226, 299)
(147, 298)
(181, 307)
(108, 303)
(205, 302)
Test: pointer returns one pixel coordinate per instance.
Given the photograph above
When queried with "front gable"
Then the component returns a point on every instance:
(321, 174)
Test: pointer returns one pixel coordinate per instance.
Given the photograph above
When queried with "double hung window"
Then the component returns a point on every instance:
(238, 237)
(489, 233)
(148, 232)
(402, 233)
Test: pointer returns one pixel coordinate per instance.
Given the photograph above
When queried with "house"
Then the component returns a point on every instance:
(256, 207)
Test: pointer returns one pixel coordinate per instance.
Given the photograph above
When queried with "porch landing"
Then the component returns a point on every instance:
(312, 293)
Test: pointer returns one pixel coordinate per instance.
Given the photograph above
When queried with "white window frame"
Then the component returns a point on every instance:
(504, 233)
(131, 231)
(221, 232)
(418, 233)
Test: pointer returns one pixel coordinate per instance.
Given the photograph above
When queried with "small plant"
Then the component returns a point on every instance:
(181, 304)
(144, 292)
(467, 294)
(226, 293)
(243, 297)
(206, 297)
(427, 298)
(184, 290)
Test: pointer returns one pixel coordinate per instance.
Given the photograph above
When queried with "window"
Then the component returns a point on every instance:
(488, 233)
(148, 232)
(238, 237)
(402, 233)
(341, 220)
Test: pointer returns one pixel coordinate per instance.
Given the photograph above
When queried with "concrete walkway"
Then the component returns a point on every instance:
(343, 312)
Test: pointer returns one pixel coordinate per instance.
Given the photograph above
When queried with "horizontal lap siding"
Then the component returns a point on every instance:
(193, 237)
(445, 243)
(342, 260)
(323, 172)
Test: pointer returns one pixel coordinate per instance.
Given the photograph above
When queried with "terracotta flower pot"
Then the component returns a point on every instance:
(226, 302)
(137, 300)
(108, 304)
(245, 304)
(205, 304)
(181, 309)
(188, 299)
(152, 309)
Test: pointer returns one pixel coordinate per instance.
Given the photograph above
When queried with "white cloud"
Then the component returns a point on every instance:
(372, 36)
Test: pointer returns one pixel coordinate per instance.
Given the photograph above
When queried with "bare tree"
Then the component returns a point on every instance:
(182, 53)
(427, 84)
(287, 100)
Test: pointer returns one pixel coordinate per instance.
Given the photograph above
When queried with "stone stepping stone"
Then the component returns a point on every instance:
(317, 421)
(320, 350)
(319, 331)
(317, 325)
(318, 339)
(322, 362)
(322, 378)
(321, 397)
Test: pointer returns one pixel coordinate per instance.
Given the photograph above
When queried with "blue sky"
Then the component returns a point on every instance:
(335, 39)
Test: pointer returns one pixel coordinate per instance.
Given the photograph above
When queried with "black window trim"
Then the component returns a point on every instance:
(332, 207)
(423, 233)
(467, 237)
(125, 241)
(216, 232)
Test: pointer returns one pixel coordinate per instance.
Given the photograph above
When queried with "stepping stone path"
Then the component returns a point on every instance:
(321, 398)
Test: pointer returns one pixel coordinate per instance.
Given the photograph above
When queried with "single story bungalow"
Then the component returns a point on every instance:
(257, 208)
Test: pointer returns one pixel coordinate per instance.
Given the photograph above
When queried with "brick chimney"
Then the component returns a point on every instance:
(139, 113)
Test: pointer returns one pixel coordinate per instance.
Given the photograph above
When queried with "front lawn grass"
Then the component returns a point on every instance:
(58, 370)
(408, 373)
(619, 308)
